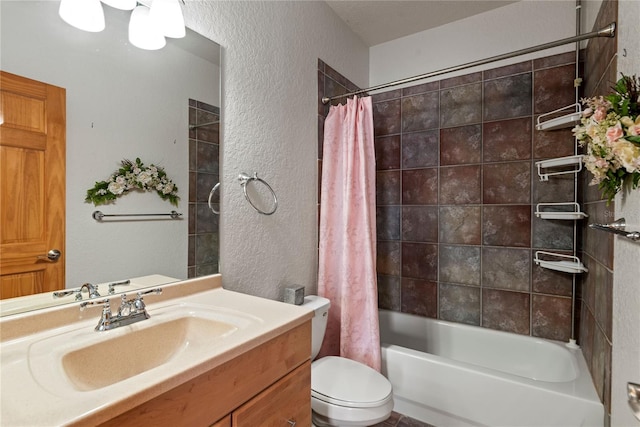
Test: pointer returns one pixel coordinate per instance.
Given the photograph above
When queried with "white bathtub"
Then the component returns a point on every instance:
(449, 374)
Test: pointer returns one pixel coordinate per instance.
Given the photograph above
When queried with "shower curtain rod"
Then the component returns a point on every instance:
(608, 31)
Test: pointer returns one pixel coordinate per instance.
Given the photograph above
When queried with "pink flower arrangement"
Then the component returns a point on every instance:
(610, 132)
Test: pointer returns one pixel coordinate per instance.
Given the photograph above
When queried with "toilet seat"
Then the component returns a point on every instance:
(347, 383)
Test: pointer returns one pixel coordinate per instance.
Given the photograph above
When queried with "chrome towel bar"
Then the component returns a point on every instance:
(98, 216)
(617, 227)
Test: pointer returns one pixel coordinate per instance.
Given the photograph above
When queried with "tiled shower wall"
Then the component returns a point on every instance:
(204, 167)
(457, 188)
(596, 251)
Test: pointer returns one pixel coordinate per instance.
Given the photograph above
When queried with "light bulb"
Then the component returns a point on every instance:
(86, 15)
(121, 4)
(142, 32)
(167, 15)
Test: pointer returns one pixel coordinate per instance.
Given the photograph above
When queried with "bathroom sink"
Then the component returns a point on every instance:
(138, 351)
(84, 360)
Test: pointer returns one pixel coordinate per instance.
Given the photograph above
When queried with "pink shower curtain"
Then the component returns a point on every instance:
(347, 257)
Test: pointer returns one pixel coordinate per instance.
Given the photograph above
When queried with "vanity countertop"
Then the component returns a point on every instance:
(36, 393)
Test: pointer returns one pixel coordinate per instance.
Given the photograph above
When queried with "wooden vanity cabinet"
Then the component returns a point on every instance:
(266, 386)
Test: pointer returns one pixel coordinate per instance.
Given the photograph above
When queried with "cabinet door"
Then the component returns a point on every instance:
(286, 403)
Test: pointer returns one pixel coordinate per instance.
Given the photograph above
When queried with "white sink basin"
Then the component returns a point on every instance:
(84, 360)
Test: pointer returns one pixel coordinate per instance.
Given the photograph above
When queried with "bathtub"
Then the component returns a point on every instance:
(449, 374)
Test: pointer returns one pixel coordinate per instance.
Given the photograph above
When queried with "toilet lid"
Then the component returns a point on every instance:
(344, 382)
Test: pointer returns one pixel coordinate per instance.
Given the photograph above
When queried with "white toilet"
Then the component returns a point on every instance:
(343, 392)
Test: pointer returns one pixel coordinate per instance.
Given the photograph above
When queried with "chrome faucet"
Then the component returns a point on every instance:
(92, 289)
(130, 310)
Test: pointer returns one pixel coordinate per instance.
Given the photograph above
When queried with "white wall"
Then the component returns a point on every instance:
(509, 28)
(269, 126)
(626, 289)
(122, 102)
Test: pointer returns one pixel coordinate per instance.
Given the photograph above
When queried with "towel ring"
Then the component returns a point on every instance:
(245, 179)
(213, 190)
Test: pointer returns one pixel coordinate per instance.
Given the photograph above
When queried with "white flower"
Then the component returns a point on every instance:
(144, 177)
(167, 188)
(116, 188)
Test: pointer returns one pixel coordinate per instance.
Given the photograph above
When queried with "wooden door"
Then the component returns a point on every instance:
(32, 185)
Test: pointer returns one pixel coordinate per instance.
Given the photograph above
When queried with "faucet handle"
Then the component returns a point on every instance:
(112, 286)
(106, 304)
(139, 302)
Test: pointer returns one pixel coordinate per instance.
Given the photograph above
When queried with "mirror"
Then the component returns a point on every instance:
(122, 103)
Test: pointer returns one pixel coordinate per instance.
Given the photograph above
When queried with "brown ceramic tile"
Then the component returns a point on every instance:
(193, 156)
(420, 297)
(507, 97)
(420, 149)
(506, 268)
(420, 224)
(505, 183)
(461, 105)
(333, 88)
(320, 136)
(333, 74)
(460, 185)
(506, 226)
(388, 254)
(387, 152)
(389, 292)
(461, 145)
(460, 224)
(206, 248)
(507, 70)
(596, 243)
(601, 351)
(556, 190)
(422, 88)
(388, 222)
(420, 186)
(553, 88)
(459, 303)
(600, 282)
(551, 144)
(204, 184)
(321, 106)
(546, 281)
(191, 259)
(386, 96)
(420, 260)
(552, 234)
(208, 159)
(208, 107)
(506, 311)
(193, 186)
(207, 221)
(420, 112)
(459, 264)
(507, 140)
(551, 317)
(587, 331)
(386, 117)
(554, 60)
(461, 80)
(192, 219)
(388, 188)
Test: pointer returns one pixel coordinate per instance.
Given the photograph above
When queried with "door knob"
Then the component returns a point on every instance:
(52, 255)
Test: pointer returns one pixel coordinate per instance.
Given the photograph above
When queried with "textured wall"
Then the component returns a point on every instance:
(626, 295)
(269, 126)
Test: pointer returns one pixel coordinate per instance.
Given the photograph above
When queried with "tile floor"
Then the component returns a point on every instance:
(399, 420)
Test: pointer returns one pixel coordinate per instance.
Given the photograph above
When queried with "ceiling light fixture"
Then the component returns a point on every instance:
(151, 20)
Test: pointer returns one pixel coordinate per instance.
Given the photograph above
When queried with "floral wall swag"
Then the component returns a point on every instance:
(610, 131)
(133, 176)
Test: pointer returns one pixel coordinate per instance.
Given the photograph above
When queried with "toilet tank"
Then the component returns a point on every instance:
(319, 322)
